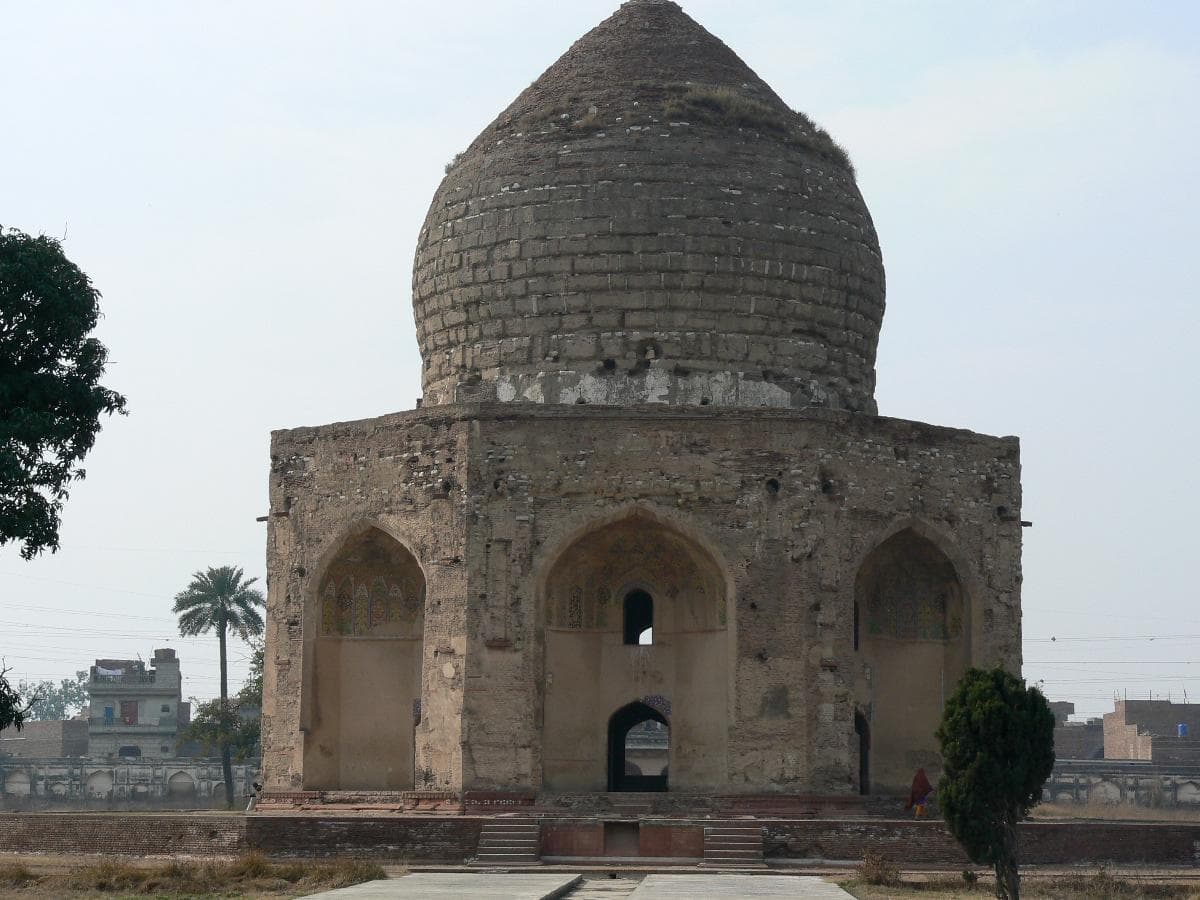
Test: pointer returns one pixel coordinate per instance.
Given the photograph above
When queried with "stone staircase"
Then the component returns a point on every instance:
(733, 846)
(512, 842)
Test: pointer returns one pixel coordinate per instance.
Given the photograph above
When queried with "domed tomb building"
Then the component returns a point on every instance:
(646, 530)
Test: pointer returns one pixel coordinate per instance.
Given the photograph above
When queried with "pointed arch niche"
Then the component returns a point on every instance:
(369, 611)
(912, 633)
(636, 613)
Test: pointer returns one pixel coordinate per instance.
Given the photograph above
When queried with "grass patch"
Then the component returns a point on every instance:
(251, 873)
(1098, 885)
(16, 875)
(729, 107)
(345, 872)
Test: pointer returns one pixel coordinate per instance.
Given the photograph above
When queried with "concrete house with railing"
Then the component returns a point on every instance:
(135, 710)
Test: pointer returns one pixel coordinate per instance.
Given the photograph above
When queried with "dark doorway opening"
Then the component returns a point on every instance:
(863, 730)
(639, 618)
(621, 776)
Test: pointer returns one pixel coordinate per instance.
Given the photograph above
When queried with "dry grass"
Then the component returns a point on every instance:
(251, 875)
(15, 875)
(1115, 812)
(726, 106)
(877, 869)
(1098, 885)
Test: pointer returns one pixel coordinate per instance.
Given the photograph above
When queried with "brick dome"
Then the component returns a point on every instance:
(650, 222)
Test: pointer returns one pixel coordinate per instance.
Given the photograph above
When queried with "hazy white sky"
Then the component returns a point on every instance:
(244, 183)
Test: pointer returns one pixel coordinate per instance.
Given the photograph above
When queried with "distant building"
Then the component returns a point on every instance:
(46, 740)
(135, 711)
(1155, 730)
(1076, 740)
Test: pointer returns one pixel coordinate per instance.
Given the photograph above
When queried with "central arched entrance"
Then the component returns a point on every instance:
(630, 748)
(635, 608)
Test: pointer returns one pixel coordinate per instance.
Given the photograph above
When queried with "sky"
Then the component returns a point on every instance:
(244, 184)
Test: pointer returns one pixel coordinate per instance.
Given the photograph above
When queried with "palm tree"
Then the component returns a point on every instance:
(219, 600)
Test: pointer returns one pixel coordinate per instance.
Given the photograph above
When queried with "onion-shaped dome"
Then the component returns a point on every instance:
(649, 222)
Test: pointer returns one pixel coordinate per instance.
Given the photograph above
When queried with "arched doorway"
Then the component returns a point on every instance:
(915, 645)
(626, 740)
(862, 729)
(635, 608)
(366, 674)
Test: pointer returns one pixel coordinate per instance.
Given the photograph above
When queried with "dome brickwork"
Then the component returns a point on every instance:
(650, 222)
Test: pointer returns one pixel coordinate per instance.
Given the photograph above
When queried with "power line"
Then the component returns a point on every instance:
(88, 612)
(90, 587)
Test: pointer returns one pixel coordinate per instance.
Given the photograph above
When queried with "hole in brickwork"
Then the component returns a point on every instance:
(772, 486)
(704, 401)
(609, 365)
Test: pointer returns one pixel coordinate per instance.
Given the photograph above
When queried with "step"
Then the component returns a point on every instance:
(511, 842)
(733, 846)
(513, 859)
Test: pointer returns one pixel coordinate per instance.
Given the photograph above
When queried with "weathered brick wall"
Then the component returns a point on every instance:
(443, 839)
(790, 503)
(1079, 740)
(45, 740)
(154, 784)
(1133, 782)
(1042, 843)
(486, 496)
(454, 839)
(602, 241)
(122, 835)
(403, 474)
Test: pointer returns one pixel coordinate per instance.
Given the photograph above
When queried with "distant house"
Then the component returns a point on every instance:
(1156, 730)
(1076, 740)
(135, 711)
(46, 740)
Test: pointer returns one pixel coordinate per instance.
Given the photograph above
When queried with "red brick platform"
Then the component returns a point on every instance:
(431, 837)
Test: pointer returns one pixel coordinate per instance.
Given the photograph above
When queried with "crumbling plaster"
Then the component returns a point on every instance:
(487, 496)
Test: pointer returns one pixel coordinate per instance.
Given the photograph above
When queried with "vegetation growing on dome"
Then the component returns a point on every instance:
(713, 105)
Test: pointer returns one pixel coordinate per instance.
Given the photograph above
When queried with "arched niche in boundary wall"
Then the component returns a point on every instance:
(369, 614)
(99, 784)
(911, 613)
(677, 591)
(181, 785)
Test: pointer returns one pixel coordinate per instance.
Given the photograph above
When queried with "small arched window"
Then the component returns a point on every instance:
(639, 618)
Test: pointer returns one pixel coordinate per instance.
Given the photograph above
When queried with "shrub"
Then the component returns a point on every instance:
(877, 869)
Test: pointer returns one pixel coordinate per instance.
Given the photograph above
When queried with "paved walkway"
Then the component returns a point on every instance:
(459, 886)
(507, 886)
(703, 887)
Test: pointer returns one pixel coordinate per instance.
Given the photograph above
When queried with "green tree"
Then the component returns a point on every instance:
(215, 726)
(13, 710)
(50, 702)
(997, 738)
(51, 398)
(252, 688)
(220, 600)
(238, 723)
